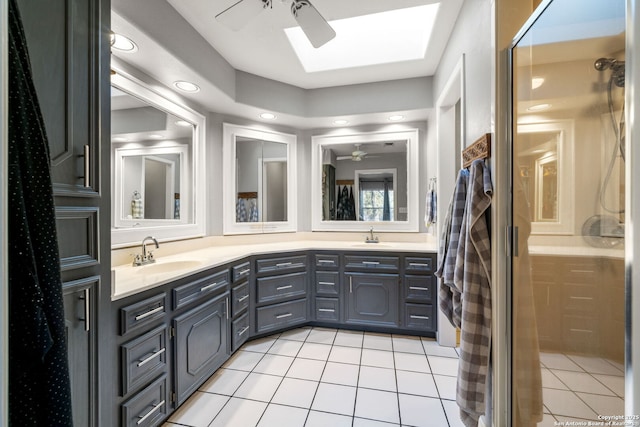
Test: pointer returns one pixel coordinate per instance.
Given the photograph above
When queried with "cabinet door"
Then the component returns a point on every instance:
(372, 299)
(79, 303)
(200, 345)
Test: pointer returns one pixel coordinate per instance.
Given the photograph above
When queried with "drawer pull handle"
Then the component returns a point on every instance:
(148, 414)
(149, 313)
(326, 310)
(242, 298)
(243, 331)
(418, 288)
(350, 284)
(150, 358)
(326, 283)
(243, 272)
(284, 316)
(414, 316)
(582, 271)
(325, 261)
(580, 330)
(206, 288)
(283, 264)
(282, 288)
(582, 298)
(371, 262)
(418, 264)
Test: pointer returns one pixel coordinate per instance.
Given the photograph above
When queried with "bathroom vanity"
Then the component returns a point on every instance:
(181, 325)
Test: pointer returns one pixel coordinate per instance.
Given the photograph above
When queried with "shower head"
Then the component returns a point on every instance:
(616, 66)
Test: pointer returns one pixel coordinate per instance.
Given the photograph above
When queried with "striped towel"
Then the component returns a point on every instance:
(137, 209)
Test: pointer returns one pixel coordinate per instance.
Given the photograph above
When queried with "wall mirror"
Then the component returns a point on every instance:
(259, 188)
(156, 157)
(365, 180)
(545, 160)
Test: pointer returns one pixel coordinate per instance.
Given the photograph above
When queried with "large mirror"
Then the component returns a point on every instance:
(259, 188)
(156, 151)
(545, 161)
(365, 180)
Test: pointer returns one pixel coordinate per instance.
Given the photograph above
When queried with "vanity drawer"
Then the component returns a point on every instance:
(327, 261)
(327, 283)
(241, 271)
(143, 358)
(419, 316)
(136, 316)
(186, 294)
(419, 288)
(147, 408)
(582, 298)
(419, 264)
(281, 264)
(386, 263)
(277, 288)
(278, 316)
(239, 331)
(239, 298)
(327, 309)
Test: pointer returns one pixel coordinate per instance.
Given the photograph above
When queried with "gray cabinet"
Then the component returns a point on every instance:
(420, 296)
(327, 286)
(372, 299)
(240, 301)
(200, 344)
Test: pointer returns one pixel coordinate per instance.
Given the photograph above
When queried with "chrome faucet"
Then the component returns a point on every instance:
(370, 238)
(145, 258)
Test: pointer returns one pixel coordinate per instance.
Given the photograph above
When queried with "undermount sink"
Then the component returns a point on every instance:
(370, 245)
(167, 267)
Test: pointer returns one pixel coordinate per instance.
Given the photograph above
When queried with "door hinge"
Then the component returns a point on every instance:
(172, 332)
(173, 397)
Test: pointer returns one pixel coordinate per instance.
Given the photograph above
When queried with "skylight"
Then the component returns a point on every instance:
(379, 38)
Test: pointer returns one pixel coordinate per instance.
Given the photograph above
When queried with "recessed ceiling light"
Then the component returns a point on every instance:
(536, 82)
(183, 123)
(341, 122)
(268, 116)
(123, 43)
(378, 38)
(396, 118)
(119, 139)
(156, 136)
(539, 107)
(186, 86)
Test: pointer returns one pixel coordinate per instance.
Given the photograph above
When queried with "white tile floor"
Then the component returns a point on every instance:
(317, 377)
(579, 388)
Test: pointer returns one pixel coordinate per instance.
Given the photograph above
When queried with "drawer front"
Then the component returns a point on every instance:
(148, 407)
(327, 261)
(581, 334)
(143, 358)
(327, 282)
(386, 263)
(327, 309)
(241, 271)
(136, 316)
(281, 264)
(419, 264)
(239, 298)
(194, 291)
(419, 288)
(280, 315)
(419, 316)
(277, 288)
(581, 298)
(239, 331)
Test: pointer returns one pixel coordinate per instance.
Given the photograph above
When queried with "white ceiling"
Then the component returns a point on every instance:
(262, 49)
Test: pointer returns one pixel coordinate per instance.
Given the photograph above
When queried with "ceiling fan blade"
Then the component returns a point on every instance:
(239, 14)
(315, 27)
(343, 158)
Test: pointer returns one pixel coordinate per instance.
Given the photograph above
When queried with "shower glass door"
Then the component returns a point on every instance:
(568, 165)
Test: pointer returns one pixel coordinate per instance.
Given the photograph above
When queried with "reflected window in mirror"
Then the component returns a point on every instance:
(259, 181)
(156, 148)
(367, 178)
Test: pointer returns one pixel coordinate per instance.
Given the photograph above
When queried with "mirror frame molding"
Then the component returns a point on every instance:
(566, 178)
(230, 226)
(124, 237)
(411, 225)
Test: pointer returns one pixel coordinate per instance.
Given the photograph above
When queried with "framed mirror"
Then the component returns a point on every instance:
(546, 162)
(365, 180)
(156, 157)
(259, 187)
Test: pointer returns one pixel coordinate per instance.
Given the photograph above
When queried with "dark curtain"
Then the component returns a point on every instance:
(39, 387)
(386, 205)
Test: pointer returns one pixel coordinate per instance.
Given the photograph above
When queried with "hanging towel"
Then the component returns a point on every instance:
(352, 205)
(473, 277)
(137, 208)
(253, 212)
(241, 210)
(39, 385)
(449, 294)
(430, 205)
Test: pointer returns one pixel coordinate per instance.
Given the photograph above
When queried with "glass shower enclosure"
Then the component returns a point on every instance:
(568, 198)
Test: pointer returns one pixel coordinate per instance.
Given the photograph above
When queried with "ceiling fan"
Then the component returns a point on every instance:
(315, 27)
(357, 155)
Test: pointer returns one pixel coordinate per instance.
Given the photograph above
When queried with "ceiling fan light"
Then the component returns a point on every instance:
(240, 13)
(314, 26)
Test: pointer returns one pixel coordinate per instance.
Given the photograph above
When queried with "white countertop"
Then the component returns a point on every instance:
(127, 280)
